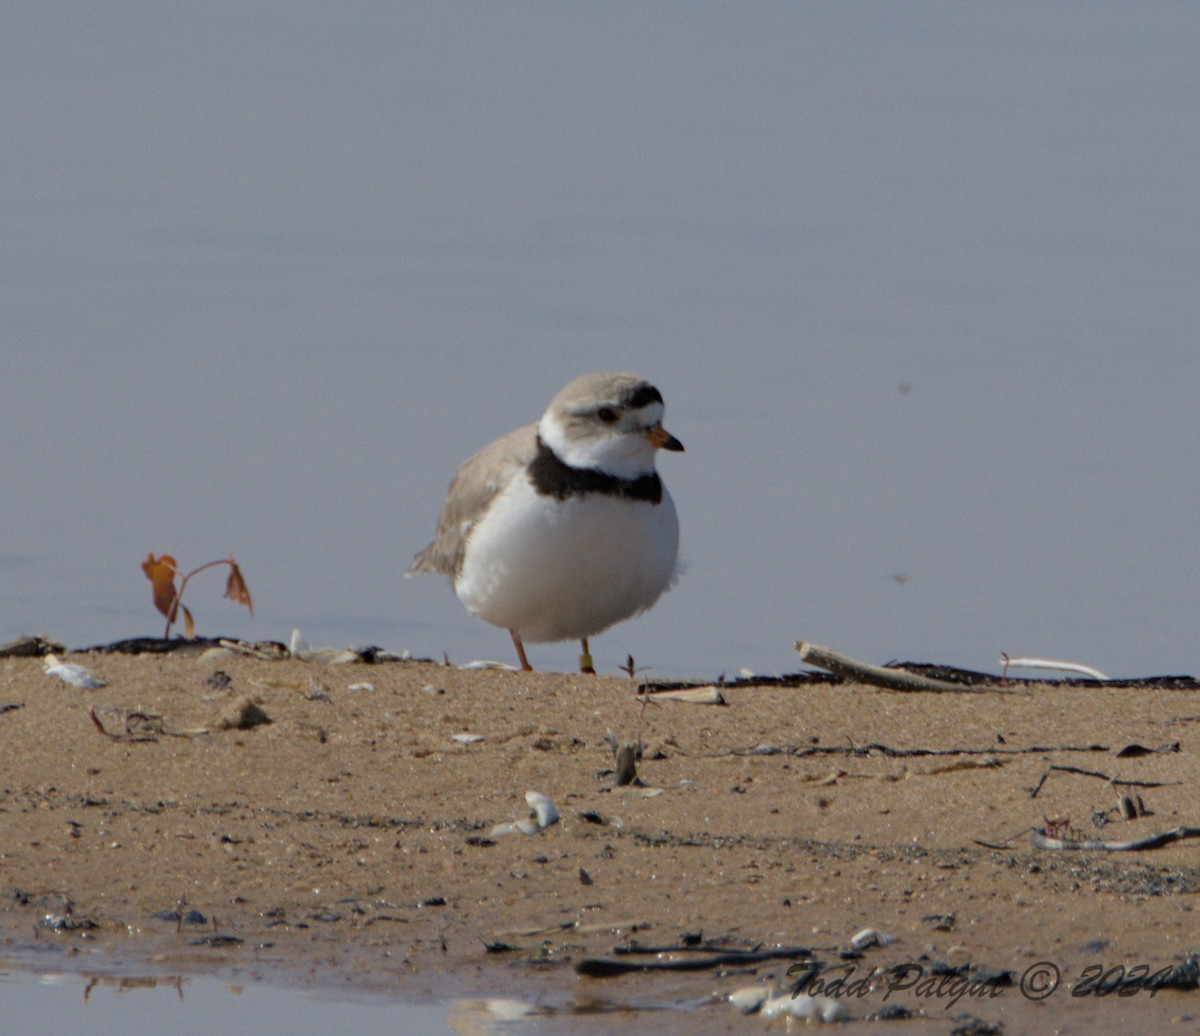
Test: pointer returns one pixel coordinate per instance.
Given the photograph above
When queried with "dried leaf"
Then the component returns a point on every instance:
(235, 588)
(161, 573)
(168, 598)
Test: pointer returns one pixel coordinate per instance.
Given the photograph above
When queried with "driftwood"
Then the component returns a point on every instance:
(706, 695)
(879, 676)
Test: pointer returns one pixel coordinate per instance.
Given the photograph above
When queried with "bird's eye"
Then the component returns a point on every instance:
(606, 414)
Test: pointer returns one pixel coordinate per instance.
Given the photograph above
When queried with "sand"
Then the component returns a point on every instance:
(349, 840)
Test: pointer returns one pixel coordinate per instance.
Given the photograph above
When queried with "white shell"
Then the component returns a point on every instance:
(807, 1008)
(333, 656)
(777, 1007)
(1052, 663)
(543, 813)
(298, 646)
(871, 937)
(75, 675)
(542, 808)
(210, 653)
(508, 1010)
(749, 999)
(466, 739)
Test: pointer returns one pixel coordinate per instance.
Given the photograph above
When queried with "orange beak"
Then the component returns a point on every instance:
(661, 439)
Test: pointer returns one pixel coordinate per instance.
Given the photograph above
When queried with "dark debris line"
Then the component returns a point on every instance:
(40, 646)
(603, 967)
(944, 673)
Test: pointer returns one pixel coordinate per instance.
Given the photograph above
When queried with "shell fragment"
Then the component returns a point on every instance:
(75, 675)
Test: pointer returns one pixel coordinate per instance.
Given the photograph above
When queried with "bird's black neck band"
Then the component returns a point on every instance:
(552, 476)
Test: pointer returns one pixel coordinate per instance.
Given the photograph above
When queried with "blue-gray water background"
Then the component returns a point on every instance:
(918, 280)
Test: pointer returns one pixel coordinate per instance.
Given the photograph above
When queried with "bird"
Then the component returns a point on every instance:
(560, 529)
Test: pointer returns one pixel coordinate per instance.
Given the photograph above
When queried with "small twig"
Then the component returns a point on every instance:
(631, 670)
(128, 735)
(1102, 776)
(1005, 844)
(100, 726)
(240, 648)
(607, 968)
(700, 946)
(643, 696)
(801, 751)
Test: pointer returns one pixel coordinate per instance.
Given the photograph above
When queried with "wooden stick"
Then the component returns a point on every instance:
(864, 672)
(1103, 776)
(601, 967)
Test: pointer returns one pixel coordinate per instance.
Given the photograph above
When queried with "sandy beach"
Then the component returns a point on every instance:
(351, 839)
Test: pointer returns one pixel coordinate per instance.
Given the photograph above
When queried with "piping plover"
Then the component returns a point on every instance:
(560, 529)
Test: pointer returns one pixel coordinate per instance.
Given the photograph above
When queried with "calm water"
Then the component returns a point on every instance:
(39, 999)
(54, 1002)
(918, 281)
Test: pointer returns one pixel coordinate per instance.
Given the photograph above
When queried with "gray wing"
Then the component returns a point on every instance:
(471, 490)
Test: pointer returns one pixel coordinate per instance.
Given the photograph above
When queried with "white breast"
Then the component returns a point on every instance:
(563, 570)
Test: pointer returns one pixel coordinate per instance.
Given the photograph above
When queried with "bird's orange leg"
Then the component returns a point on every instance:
(585, 659)
(525, 666)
